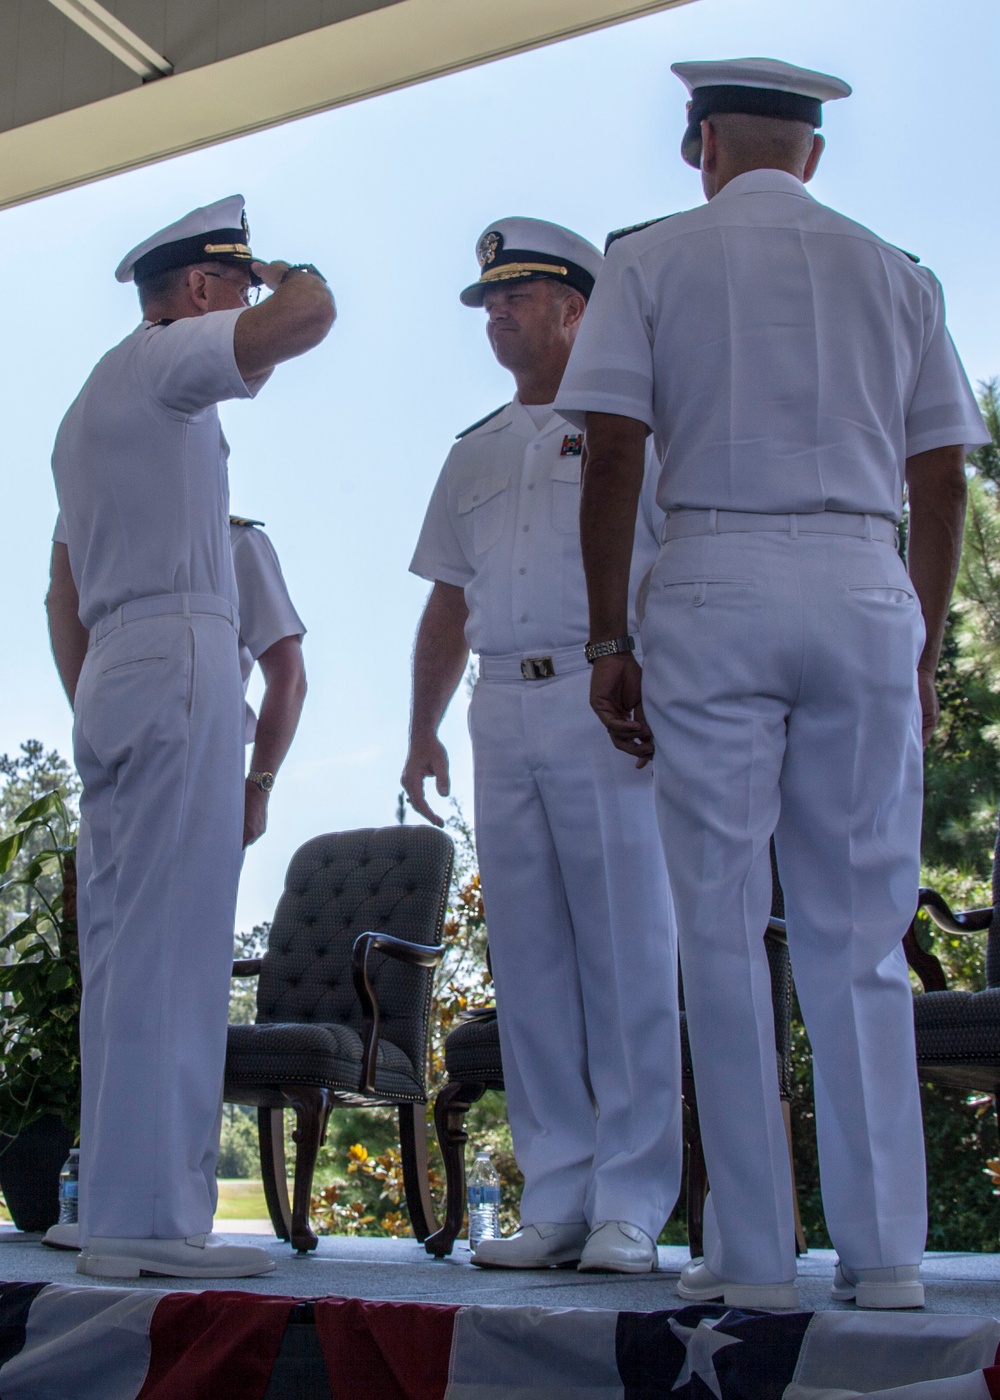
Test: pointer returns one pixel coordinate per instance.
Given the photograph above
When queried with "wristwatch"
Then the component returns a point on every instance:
(593, 651)
(265, 781)
(303, 267)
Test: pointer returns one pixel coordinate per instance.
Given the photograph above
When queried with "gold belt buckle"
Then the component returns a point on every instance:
(537, 668)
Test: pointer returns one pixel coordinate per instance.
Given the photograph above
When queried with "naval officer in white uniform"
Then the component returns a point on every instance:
(581, 926)
(271, 633)
(796, 372)
(140, 471)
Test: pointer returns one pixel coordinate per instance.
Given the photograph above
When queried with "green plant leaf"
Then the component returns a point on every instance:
(50, 804)
(10, 847)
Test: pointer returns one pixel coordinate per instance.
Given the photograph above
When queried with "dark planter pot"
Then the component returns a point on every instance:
(30, 1164)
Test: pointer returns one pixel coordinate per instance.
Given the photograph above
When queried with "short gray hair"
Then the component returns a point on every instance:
(753, 140)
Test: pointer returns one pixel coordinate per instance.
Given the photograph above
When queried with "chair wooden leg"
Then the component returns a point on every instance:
(801, 1247)
(312, 1109)
(697, 1179)
(450, 1108)
(416, 1169)
(271, 1135)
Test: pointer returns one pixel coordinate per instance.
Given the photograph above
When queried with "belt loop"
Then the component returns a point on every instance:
(713, 522)
(187, 605)
(868, 527)
(793, 526)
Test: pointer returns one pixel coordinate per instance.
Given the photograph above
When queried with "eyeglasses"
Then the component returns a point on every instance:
(249, 294)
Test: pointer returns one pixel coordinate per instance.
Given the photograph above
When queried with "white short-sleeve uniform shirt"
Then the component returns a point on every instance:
(786, 358)
(503, 524)
(266, 610)
(140, 466)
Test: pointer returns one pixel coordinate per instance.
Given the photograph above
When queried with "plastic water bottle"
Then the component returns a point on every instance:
(484, 1201)
(69, 1188)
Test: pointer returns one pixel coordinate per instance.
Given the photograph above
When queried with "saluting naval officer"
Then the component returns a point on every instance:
(270, 634)
(141, 475)
(582, 937)
(796, 373)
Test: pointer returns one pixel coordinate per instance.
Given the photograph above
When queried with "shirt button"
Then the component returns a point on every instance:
(524, 617)
(524, 527)
(522, 571)
(531, 486)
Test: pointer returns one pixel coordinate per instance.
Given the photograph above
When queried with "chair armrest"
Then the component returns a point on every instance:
(416, 954)
(247, 967)
(776, 927)
(971, 921)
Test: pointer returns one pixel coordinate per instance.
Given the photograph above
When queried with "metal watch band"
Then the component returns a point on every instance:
(304, 267)
(593, 651)
(265, 781)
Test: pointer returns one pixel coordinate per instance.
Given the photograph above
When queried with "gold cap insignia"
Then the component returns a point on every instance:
(488, 247)
(246, 226)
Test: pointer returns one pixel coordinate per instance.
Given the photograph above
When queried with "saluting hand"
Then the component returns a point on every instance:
(428, 758)
(616, 698)
(270, 273)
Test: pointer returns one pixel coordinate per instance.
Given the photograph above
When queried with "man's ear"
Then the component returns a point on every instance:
(197, 288)
(709, 146)
(818, 147)
(573, 309)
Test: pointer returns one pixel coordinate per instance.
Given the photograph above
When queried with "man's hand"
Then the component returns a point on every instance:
(254, 813)
(270, 273)
(616, 698)
(428, 758)
(930, 707)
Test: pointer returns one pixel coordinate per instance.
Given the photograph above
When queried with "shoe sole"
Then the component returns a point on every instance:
(615, 1269)
(881, 1297)
(780, 1298)
(120, 1266)
(568, 1262)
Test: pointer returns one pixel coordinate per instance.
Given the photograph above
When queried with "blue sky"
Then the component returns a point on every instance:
(340, 452)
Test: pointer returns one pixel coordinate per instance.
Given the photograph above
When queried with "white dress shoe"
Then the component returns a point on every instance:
(199, 1256)
(615, 1246)
(62, 1236)
(698, 1284)
(533, 1247)
(879, 1288)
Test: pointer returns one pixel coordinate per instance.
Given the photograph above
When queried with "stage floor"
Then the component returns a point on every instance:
(401, 1270)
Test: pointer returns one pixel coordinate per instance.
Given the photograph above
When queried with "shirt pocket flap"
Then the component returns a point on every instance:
(482, 492)
(568, 470)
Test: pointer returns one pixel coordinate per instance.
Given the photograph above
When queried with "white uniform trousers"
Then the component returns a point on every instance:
(158, 745)
(583, 948)
(780, 684)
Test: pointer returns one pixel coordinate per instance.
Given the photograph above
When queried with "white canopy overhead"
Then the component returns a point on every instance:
(87, 90)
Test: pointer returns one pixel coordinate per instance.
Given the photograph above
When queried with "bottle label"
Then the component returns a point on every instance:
(69, 1190)
(484, 1196)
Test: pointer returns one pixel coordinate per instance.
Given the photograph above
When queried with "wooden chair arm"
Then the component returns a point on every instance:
(416, 954)
(776, 927)
(247, 967)
(971, 921)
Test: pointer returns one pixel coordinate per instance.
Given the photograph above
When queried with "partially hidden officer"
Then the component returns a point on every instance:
(581, 927)
(796, 373)
(140, 467)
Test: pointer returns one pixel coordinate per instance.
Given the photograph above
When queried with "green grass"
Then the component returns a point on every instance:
(241, 1200)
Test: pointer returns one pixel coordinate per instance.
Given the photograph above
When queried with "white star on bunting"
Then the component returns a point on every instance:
(701, 1343)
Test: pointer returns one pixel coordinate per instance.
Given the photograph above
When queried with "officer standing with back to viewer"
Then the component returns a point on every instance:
(140, 471)
(581, 927)
(796, 372)
(270, 634)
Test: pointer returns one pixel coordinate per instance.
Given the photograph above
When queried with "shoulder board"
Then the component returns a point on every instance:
(617, 233)
(912, 256)
(473, 426)
(242, 520)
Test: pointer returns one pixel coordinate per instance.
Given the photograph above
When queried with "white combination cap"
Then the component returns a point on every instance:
(527, 250)
(762, 87)
(215, 233)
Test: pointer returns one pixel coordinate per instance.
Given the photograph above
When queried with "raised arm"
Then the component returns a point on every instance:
(937, 492)
(284, 692)
(67, 634)
(439, 656)
(612, 482)
(293, 319)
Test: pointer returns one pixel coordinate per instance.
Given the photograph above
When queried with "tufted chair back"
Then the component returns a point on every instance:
(384, 879)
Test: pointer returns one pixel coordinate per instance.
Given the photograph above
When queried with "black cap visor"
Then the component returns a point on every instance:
(522, 265)
(225, 245)
(754, 102)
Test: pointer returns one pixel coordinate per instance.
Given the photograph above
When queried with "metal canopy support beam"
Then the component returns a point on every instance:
(116, 37)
